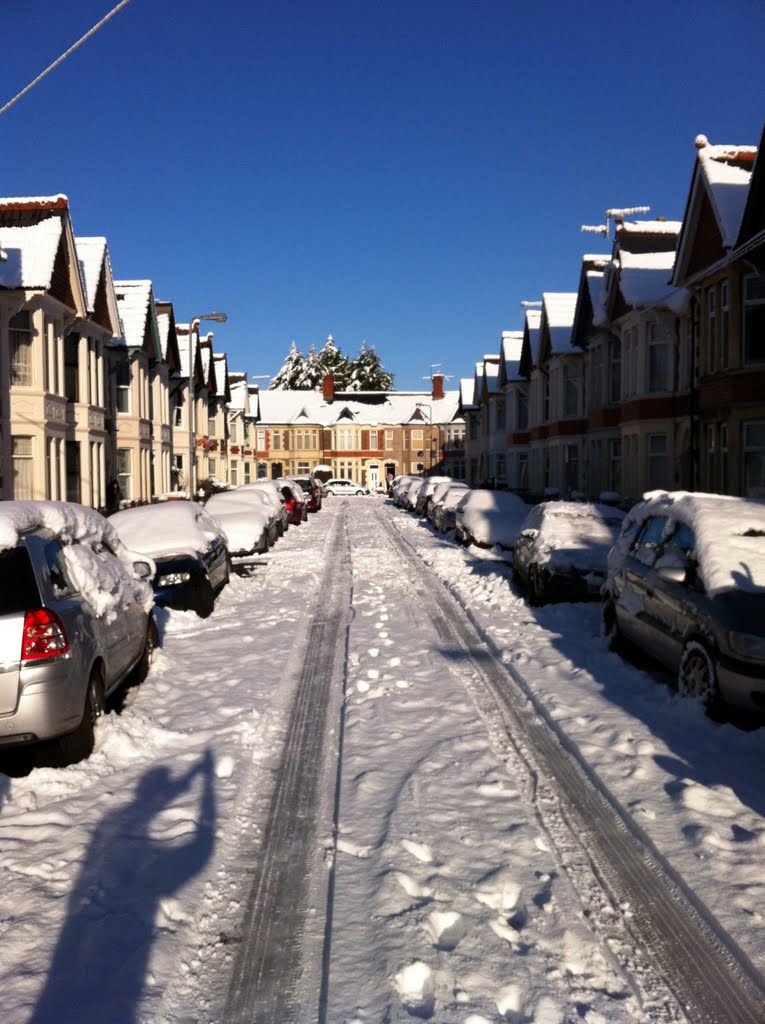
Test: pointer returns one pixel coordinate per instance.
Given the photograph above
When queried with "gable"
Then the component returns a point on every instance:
(707, 245)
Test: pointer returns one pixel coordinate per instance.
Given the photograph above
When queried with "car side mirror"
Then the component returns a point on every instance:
(144, 570)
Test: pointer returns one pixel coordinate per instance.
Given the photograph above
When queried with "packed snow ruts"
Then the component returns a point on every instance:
(699, 963)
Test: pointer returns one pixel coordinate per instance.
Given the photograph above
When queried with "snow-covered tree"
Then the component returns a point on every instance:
(331, 360)
(291, 373)
(368, 373)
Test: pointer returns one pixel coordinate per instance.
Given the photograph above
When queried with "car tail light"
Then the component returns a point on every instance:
(44, 635)
(290, 504)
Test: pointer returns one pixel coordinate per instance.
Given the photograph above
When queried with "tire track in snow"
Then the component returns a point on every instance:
(273, 969)
(675, 940)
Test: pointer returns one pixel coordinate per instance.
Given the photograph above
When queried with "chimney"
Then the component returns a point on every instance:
(329, 388)
(438, 385)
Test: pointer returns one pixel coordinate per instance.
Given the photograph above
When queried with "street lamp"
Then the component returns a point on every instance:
(219, 318)
(427, 405)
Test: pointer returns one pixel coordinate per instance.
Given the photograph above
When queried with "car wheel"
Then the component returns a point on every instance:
(537, 589)
(359, 492)
(141, 670)
(78, 745)
(697, 677)
(205, 599)
(609, 626)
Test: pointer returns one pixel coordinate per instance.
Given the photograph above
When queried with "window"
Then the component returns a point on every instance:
(523, 408)
(571, 457)
(373, 440)
(71, 367)
(20, 336)
(276, 440)
(246, 472)
(22, 468)
(658, 358)
(178, 416)
(711, 328)
(125, 472)
(389, 440)
(346, 440)
(499, 414)
(658, 462)
(754, 459)
(723, 446)
(261, 440)
(234, 472)
(500, 471)
(303, 468)
(123, 386)
(212, 466)
(754, 319)
(523, 471)
(724, 325)
(570, 391)
(212, 422)
(597, 382)
(417, 439)
(615, 370)
(305, 439)
(615, 464)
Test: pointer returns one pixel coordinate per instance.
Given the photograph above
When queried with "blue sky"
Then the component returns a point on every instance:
(400, 171)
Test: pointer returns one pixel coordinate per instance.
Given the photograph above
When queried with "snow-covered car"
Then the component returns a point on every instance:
(442, 510)
(400, 486)
(426, 491)
(312, 489)
(75, 622)
(294, 501)
(489, 518)
(338, 486)
(245, 518)
(686, 583)
(272, 492)
(409, 493)
(189, 548)
(561, 551)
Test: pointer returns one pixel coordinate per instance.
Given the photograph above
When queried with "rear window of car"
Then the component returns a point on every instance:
(18, 592)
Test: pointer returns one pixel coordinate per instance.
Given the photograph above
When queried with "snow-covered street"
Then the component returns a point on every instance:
(427, 871)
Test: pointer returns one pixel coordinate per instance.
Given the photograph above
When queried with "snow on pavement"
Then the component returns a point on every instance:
(123, 876)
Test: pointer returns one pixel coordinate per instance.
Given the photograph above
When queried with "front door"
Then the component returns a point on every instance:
(373, 478)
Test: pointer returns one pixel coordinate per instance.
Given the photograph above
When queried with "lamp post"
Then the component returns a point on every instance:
(219, 318)
(429, 407)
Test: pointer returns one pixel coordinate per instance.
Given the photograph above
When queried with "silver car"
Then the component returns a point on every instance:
(75, 622)
(686, 583)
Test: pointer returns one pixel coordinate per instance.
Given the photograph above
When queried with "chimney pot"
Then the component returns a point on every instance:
(438, 386)
(329, 388)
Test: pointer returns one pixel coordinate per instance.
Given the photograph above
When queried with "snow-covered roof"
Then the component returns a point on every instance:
(644, 278)
(559, 309)
(90, 254)
(491, 377)
(728, 184)
(650, 227)
(512, 346)
(133, 303)
(467, 392)
(239, 401)
(533, 323)
(31, 253)
(379, 408)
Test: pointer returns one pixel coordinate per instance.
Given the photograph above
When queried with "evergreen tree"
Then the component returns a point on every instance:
(312, 374)
(331, 360)
(368, 373)
(291, 372)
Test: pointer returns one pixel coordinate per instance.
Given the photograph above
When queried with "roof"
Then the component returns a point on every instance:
(90, 253)
(380, 407)
(133, 299)
(727, 171)
(558, 309)
(467, 393)
(31, 254)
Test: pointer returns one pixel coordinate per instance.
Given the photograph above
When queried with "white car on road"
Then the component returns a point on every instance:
(345, 487)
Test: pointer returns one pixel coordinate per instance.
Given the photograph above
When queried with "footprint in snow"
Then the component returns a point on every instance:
(416, 989)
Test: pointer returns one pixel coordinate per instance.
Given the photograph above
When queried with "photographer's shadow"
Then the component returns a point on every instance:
(99, 968)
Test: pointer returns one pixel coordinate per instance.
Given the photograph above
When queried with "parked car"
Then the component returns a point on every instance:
(489, 518)
(409, 493)
(188, 546)
(425, 493)
(75, 622)
(401, 485)
(562, 549)
(337, 486)
(248, 522)
(272, 492)
(294, 501)
(686, 583)
(442, 510)
(311, 487)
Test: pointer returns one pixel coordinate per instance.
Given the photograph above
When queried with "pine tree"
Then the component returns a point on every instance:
(331, 360)
(368, 373)
(291, 372)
